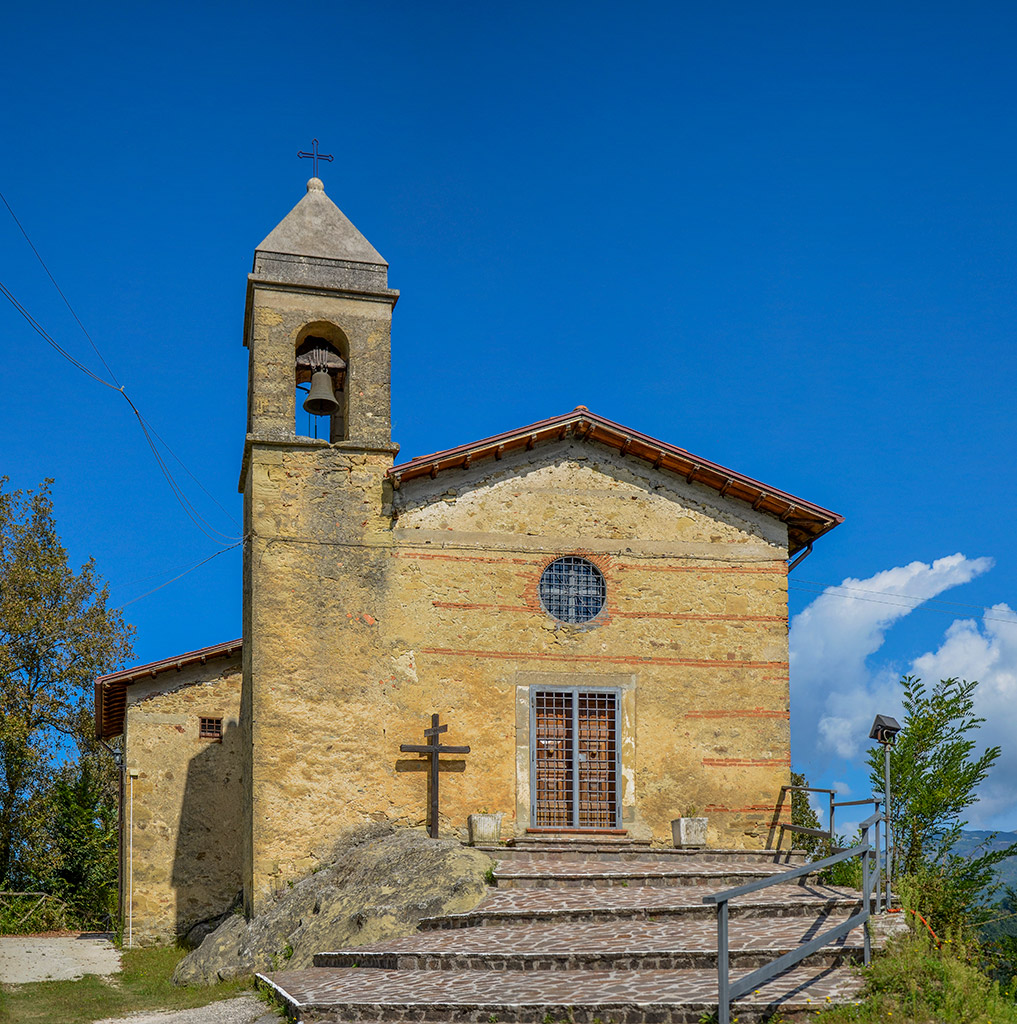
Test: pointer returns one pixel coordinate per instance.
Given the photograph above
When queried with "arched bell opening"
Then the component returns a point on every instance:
(320, 405)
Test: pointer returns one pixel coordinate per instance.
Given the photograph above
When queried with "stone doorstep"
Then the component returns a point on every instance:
(321, 994)
(609, 852)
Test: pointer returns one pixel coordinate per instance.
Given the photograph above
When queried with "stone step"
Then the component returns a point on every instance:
(603, 842)
(322, 995)
(546, 872)
(669, 944)
(575, 851)
(504, 906)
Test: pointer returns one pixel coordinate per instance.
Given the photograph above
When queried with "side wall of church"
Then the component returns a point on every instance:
(184, 821)
(372, 609)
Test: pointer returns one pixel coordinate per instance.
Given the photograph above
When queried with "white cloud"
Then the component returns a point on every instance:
(834, 692)
(988, 653)
(837, 686)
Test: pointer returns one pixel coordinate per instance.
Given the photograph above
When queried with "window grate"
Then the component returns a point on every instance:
(210, 729)
(572, 589)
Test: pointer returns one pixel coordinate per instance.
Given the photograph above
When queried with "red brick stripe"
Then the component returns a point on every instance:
(465, 558)
(745, 762)
(470, 606)
(603, 658)
(752, 809)
(700, 618)
(744, 713)
(466, 606)
(779, 570)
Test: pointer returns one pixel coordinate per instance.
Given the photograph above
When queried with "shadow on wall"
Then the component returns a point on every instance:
(207, 861)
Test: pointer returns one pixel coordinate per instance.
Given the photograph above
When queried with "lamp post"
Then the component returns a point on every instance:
(884, 730)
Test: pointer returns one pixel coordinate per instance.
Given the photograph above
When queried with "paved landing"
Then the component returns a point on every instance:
(624, 996)
(778, 900)
(632, 940)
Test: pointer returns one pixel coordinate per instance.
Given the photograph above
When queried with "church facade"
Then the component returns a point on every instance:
(599, 615)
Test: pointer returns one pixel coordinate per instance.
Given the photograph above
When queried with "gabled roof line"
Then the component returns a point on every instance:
(110, 694)
(178, 662)
(805, 520)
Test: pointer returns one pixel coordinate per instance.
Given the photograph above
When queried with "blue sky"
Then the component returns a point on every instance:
(782, 236)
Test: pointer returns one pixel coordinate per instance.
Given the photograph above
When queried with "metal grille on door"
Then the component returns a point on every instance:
(574, 758)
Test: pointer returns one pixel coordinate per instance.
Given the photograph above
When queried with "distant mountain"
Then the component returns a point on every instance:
(975, 842)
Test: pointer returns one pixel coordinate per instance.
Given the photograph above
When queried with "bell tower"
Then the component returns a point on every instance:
(318, 445)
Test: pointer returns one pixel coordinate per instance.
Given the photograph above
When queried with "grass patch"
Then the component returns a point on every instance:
(144, 984)
(912, 982)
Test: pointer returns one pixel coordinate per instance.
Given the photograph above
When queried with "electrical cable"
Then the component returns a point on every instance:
(197, 565)
(883, 593)
(192, 513)
(147, 429)
(921, 602)
(38, 256)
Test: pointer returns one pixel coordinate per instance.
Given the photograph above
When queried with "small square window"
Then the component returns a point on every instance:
(210, 729)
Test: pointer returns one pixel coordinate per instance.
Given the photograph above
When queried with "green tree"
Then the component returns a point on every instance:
(803, 815)
(82, 829)
(56, 636)
(934, 774)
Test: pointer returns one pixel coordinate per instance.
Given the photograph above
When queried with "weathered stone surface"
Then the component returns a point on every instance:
(182, 808)
(378, 884)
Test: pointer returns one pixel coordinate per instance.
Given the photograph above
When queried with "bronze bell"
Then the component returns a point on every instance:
(320, 400)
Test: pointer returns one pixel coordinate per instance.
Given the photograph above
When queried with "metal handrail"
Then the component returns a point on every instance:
(728, 991)
(801, 829)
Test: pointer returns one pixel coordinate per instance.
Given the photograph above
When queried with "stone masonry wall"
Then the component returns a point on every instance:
(186, 801)
(372, 609)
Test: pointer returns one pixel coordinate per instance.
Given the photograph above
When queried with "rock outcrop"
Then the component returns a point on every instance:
(378, 884)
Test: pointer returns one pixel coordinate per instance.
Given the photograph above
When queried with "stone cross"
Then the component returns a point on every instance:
(434, 749)
(314, 156)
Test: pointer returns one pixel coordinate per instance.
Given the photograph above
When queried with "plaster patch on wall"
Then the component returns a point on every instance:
(404, 668)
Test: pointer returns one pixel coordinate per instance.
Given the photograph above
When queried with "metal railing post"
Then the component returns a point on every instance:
(879, 894)
(866, 897)
(723, 999)
(833, 835)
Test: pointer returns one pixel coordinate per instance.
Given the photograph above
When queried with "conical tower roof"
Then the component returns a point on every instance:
(318, 229)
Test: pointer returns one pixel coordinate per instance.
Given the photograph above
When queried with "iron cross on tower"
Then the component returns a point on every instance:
(314, 156)
(434, 749)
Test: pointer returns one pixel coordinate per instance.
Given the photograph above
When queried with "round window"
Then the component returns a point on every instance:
(572, 589)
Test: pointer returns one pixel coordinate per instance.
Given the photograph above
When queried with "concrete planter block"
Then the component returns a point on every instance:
(485, 828)
(688, 832)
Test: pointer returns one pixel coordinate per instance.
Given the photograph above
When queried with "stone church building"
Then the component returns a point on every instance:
(601, 616)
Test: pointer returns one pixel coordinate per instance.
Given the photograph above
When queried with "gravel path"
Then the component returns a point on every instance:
(239, 1010)
(26, 958)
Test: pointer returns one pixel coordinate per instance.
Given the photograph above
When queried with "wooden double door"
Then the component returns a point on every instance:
(574, 758)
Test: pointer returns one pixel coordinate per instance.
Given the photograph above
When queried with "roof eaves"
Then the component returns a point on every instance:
(110, 691)
(806, 521)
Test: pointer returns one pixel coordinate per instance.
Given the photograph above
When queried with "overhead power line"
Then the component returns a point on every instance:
(831, 589)
(197, 565)
(67, 303)
(146, 428)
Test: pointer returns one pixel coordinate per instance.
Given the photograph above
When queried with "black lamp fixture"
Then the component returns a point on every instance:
(884, 729)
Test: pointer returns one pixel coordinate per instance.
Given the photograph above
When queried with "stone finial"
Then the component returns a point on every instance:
(580, 408)
(315, 185)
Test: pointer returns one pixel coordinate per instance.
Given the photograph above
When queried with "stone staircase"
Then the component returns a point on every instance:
(592, 932)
